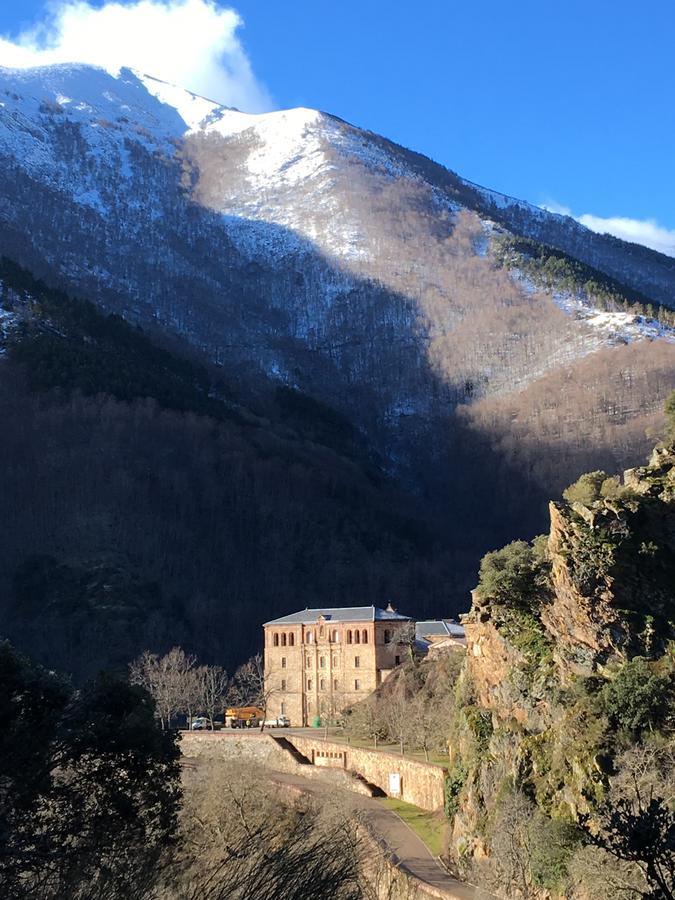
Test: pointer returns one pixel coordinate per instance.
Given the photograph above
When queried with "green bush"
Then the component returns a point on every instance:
(454, 784)
(514, 575)
(553, 843)
(587, 489)
(638, 699)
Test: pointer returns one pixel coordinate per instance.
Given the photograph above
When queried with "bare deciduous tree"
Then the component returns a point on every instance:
(213, 686)
(170, 681)
(243, 839)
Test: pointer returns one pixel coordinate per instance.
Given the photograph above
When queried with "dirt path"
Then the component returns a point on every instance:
(412, 854)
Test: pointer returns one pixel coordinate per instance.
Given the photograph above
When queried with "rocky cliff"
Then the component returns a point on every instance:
(569, 668)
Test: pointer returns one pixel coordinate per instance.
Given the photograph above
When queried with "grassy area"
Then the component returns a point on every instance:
(438, 759)
(428, 826)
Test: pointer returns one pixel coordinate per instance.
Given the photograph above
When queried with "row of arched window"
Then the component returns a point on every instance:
(357, 637)
(283, 640)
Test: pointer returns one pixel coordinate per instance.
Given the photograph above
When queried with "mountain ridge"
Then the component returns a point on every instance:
(305, 255)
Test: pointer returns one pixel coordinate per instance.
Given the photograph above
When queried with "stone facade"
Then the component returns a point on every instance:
(317, 667)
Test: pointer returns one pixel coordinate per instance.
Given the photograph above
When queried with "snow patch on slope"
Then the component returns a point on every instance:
(192, 108)
(616, 326)
(610, 327)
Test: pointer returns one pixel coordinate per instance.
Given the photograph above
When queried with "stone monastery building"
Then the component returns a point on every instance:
(318, 661)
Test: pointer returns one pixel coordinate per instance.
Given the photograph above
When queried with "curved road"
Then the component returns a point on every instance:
(413, 855)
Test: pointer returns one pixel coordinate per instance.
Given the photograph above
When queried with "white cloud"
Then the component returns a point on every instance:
(191, 43)
(647, 232)
(639, 231)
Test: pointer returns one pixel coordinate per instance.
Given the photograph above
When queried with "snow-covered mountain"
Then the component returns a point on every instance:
(296, 247)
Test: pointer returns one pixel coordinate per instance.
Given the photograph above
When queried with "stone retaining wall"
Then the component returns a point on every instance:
(263, 750)
(420, 783)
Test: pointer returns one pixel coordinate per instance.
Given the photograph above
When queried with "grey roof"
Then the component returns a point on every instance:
(340, 614)
(441, 627)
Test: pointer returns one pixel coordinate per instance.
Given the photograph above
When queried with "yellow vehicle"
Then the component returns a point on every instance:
(244, 716)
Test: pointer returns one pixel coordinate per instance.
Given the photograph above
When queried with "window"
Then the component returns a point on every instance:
(336, 636)
(308, 662)
(283, 639)
(387, 636)
(357, 685)
(310, 637)
(357, 636)
(335, 684)
(397, 660)
(322, 684)
(309, 684)
(291, 640)
(276, 640)
(349, 636)
(357, 662)
(322, 662)
(364, 637)
(283, 684)
(283, 662)
(335, 660)
(283, 708)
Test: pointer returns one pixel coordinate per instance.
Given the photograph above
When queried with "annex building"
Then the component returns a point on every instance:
(318, 661)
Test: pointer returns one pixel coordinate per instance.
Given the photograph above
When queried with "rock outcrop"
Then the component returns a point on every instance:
(535, 695)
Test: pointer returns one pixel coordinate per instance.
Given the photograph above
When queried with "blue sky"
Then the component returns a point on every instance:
(565, 102)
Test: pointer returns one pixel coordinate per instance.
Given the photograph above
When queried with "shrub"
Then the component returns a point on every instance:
(637, 699)
(454, 784)
(514, 575)
(587, 489)
(552, 845)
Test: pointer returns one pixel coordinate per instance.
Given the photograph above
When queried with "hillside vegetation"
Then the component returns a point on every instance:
(146, 506)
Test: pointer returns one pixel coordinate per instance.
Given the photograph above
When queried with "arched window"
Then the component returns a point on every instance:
(276, 640)
(357, 636)
(349, 636)
(310, 637)
(291, 640)
(364, 637)
(336, 636)
(322, 684)
(283, 639)
(283, 684)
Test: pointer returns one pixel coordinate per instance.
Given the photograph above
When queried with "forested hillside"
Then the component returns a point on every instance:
(142, 511)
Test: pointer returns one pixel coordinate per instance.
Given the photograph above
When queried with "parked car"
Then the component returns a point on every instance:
(279, 722)
(201, 723)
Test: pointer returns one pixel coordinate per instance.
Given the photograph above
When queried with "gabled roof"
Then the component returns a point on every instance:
(440, 628)
(341, 614)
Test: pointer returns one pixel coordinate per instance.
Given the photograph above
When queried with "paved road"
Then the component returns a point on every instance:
(412, 853)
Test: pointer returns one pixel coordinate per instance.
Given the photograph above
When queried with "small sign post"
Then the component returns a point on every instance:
(395, 784)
